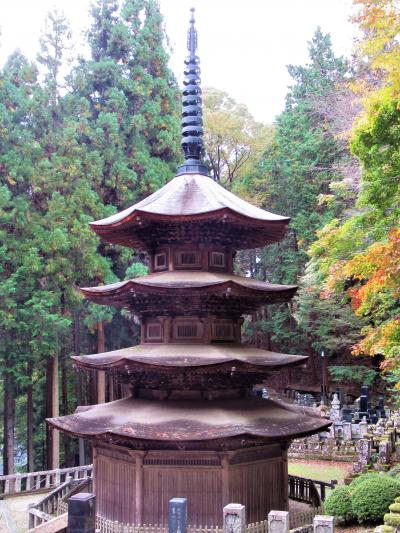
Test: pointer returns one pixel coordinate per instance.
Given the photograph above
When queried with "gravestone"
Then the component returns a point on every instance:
(177, 516)
(347, 433)
(364, 447)
(363, 425)
(384, 452)
(278, 522)
(82, 513)
(234, 518)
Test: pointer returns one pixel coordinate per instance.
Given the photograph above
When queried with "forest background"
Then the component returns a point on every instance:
(82, 140)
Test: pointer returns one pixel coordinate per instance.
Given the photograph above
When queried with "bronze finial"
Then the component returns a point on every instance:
(192, 112)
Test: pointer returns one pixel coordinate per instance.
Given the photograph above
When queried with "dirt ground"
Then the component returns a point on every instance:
(14, 513)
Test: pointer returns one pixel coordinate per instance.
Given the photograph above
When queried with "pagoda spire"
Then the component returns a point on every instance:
(192, 112)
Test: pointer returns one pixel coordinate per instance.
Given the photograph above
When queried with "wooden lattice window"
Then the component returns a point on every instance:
(160, 261)
(154, 331)
(187, 330)
(188, 259)
(217, 259)
(223, 331)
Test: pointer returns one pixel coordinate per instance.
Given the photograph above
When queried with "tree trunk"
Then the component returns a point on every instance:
(65, 406)
(29, 419)
(52, 397)
(9, 422)
(313, 366)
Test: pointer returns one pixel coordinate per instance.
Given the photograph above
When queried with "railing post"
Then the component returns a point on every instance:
(82, 513)
(278, 521)
(234, 518)
(31, 520)
(177, 515)
(17, 486)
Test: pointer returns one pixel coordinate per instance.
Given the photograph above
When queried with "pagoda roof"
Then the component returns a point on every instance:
(175, 356)
(133, 419)
(191, 198)
(184, 283)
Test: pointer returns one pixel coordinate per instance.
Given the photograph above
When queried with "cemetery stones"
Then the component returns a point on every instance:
(324, 524)
(82, 513)
(177, 517)
(234, 518)
(278, 522)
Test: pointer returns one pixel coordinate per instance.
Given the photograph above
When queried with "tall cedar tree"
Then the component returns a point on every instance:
(68, 158)
(298, 168)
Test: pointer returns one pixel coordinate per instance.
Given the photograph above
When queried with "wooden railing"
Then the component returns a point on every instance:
(35, 481)
(312, 491)
(49, 505)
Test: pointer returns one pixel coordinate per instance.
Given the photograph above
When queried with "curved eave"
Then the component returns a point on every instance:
(193, 198)
(133, 419)
(175, 284)
(171, 357)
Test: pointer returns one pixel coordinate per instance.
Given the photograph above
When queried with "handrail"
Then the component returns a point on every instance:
(45, 479)
(43, 510)
(306, 490)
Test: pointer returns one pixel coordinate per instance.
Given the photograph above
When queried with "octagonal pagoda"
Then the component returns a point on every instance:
(190, 426)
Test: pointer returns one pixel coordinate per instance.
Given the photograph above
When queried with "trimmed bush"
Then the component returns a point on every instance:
(392, 520)
(371, 498)
(363, 477)
(387, 529)
(395, 507)
(338, 503)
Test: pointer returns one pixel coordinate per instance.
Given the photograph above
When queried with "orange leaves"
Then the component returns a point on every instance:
(378, 271)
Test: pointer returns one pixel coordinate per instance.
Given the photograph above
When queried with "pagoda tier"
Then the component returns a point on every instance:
(189, 366)
(191, 424)
(146, 452)
(192, 207)
(204, 293)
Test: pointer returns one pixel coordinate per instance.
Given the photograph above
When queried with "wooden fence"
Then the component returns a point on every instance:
(35, 481)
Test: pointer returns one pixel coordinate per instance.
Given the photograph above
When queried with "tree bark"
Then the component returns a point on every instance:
(52, 396)
(9, 422)
(29, 419)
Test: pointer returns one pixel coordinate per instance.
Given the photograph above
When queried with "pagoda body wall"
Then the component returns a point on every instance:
(134, 486)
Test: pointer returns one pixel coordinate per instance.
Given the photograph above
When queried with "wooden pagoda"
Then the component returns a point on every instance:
(190, 426)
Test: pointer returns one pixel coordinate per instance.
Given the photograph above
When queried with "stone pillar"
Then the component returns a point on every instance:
(82, 513)
(177, 516)
(324, 524)
(278, 522)
(234, 519)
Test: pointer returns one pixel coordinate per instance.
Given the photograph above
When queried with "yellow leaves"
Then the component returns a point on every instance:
(11, 180)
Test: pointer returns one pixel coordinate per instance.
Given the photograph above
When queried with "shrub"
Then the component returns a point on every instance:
(360, 479)
(338, 503)
(370, 499)
(392, 520)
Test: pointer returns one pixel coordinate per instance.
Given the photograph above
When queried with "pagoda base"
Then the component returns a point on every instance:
(134, 487)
